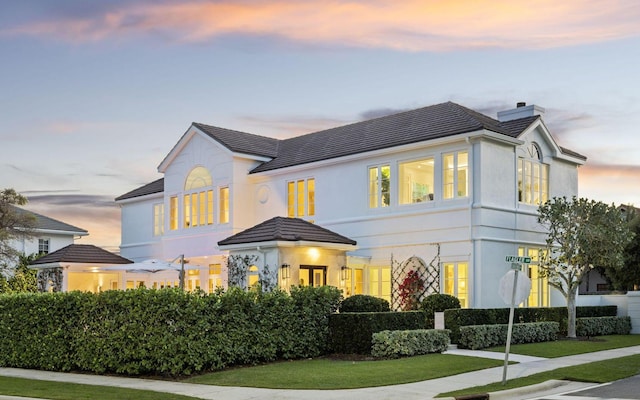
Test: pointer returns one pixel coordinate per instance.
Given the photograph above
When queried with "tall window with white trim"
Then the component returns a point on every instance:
(455, 281)
(198, 199)
(158, 219)
(379, 186)
(301, 198)
(533, 178)
(455, 175)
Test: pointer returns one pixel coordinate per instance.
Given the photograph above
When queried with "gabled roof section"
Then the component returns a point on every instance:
(241, 142)
(427, 123)
(156, 186)
(288, 230)
(82, 253)
(45, 223)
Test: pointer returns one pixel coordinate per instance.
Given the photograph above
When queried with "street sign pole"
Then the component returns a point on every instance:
(516, 268)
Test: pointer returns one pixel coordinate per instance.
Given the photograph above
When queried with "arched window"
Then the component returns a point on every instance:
(198, 198)
(533, 177)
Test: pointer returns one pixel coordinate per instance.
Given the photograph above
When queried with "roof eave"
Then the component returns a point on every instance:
(148, 196)
(288, 243)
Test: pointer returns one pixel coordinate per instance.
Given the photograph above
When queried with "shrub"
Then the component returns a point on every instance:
(477, 337)
(438, 302)
(351, 333)
(162, 332)
(364, 303)
(598, 326)
(394, 344)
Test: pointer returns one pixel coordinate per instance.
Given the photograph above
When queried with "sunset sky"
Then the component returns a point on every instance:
(93, 95)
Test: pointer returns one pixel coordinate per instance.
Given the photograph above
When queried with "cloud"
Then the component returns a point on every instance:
(610, 183)
(288, 126)
(380, 112)
(410, 25)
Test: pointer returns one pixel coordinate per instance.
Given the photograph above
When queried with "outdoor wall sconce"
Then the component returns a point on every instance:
(343, 273)
(285, 271)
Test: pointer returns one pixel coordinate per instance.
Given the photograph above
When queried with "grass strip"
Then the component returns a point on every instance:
(326, 373)
(561, 348)
(595, 372)
(73, 391)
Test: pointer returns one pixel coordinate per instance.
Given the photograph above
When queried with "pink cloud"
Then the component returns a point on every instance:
(410, 25)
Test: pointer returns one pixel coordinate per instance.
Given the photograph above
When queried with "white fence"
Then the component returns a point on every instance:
(628, 304)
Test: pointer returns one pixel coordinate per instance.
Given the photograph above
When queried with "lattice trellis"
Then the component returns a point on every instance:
(428, 273)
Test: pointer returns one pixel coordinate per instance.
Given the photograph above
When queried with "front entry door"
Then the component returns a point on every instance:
(313, 275)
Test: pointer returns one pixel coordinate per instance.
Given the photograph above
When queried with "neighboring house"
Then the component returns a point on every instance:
(49, 235)
(442, 188)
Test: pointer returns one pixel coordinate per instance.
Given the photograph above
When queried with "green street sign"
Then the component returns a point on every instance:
(520, 260)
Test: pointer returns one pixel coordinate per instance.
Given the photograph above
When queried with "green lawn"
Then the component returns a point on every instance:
(596, 372)
(72, 391)
(561, 348)
(324, 373)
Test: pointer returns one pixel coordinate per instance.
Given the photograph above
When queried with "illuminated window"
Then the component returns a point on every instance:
(254, 276)
(193, 279)
(456, 281)
(380, 282)
(533, 179)
(215, 277)
(379, 186)
(539, 295)
(198, 204)
(354, 284)
(43, 246)
(224, 205)
(173, 213)
(158, 219)
(455, 175)
(301, 195)
(416, 181)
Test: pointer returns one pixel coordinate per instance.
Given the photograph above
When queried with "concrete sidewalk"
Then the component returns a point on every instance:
(418, 390)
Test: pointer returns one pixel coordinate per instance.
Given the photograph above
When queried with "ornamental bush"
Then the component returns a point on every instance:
(394, 344)
(477, 337)
(598, 326)
(364, 303)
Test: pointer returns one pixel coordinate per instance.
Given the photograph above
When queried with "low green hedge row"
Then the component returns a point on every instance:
(454, 319)
(598, 326)
(162, 332)
(477, 337)
(351, 333)
(394, 344)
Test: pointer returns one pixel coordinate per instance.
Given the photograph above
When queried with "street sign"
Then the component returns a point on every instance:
(516, 259)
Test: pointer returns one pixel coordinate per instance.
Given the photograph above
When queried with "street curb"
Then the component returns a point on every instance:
(538, 387)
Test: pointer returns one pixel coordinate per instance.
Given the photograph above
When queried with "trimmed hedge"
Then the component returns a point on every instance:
(438, 302)
(454, 319)
(477, 337)
(162, 332)
(351, 333)
(394, 344)
(598, 326)
(364, 303)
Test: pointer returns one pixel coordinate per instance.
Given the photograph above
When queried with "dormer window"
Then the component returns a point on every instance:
(533, 177)
(198, 198)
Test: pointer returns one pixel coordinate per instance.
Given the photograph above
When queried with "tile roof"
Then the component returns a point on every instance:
(241, 142)
(43, 222)
(156, 186)
(286, 229)
(82, 253)
(422, 124)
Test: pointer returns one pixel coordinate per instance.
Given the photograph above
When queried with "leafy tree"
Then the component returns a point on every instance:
(582, 234)
(15, 224)
(628, 276)
(23, 279)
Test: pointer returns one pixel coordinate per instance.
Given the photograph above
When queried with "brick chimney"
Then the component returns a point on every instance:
(522, 110)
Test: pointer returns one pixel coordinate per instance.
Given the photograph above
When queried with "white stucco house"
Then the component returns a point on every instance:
(48, 236)
(443, 188)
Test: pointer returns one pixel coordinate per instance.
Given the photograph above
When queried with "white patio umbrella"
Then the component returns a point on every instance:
(154, 265)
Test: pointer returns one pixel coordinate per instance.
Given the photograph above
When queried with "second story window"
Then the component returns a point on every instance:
(416, 181)
(379, 184)
(173, 213)
(533, 179)
(224, 205)
(43, 246)
(301, 198)
(455, 175)
(198, 198)
(158, 219)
